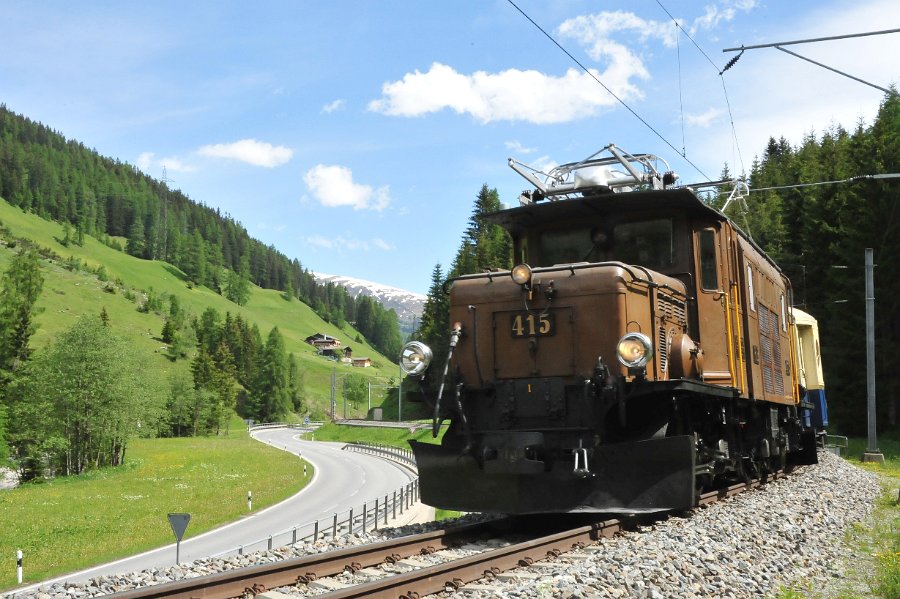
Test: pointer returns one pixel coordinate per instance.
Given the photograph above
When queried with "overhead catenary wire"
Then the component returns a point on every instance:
(680, 92)
(855, 179)
(779, 46)
(811, 40)
(604, 86)
(834, 70)
(737, 146)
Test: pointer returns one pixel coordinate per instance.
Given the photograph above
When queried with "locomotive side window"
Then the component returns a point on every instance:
(783, 315)
(750, 297)
(709, 275)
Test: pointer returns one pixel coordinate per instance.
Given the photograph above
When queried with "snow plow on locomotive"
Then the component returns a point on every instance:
(639, 353)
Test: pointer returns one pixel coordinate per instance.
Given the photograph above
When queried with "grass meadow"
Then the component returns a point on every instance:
(70, 523)
(881, 540)
(395, 437)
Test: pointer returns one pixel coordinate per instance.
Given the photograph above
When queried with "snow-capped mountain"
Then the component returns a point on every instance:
(406, 304)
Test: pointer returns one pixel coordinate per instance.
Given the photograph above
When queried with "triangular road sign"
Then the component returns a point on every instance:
(179, 524)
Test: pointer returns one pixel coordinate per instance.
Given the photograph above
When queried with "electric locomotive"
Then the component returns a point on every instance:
(637, 354)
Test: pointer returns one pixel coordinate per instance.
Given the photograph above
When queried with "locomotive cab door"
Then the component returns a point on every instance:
(715, 308)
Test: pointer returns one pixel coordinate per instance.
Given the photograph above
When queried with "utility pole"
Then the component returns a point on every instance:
(333, 381)
(872, 454)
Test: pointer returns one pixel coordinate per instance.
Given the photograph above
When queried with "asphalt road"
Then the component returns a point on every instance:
(342, 480)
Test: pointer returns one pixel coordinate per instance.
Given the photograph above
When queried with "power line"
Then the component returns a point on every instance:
(687, 35)
(680, 92)
(603, 85)
(811, 40)
(835, 182)
(819, 64)
(778, 46)
(719, 71)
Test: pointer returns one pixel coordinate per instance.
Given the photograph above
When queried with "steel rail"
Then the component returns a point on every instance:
(452, 574)
(256, 579)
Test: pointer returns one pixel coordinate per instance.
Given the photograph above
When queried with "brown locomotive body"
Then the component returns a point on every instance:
(643, 354)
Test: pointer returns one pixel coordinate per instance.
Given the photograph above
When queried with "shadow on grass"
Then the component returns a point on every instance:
(175, 272)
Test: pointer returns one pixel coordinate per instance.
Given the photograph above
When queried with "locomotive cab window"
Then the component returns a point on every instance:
(648, 243)
(568, 245)
(709, 275)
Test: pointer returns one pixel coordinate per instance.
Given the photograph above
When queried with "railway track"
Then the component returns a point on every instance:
(485, 561)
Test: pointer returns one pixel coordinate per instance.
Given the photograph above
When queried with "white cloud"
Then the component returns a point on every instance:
(332, 106)
(544, 164)
(148, 163)
(253, 152)
(341, 243)
(145, 161)
(705, 119)
(516, 148)
(595, 34)
(333, 186)
(381, 244)
(510, 95)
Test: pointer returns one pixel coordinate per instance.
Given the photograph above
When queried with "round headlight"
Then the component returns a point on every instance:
(415, 358)
(521, 274)
(634, 350)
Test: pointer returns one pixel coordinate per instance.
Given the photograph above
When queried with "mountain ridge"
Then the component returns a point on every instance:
(407, 304)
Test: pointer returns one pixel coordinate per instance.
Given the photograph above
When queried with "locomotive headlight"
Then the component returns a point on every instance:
(634, 350)
(415, 358)
(521, 274)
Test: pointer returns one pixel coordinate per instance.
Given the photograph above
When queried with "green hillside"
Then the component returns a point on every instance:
(68, 294)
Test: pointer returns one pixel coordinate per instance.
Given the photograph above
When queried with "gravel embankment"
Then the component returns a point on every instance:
(752, 545)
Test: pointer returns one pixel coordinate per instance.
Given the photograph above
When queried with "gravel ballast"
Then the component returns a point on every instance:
(788, 533)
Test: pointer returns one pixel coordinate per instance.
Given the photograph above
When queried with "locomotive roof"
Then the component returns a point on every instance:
(517, 220)
(679, 198)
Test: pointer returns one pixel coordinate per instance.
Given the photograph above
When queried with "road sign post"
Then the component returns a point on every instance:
(179, 524)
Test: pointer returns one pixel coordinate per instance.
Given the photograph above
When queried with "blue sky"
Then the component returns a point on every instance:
(354, 136)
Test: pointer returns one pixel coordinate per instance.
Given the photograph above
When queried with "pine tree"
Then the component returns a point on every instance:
(434, 328)
(271, 388)
(484, 246)
(21, 286)
(237, 284)
(136, 245)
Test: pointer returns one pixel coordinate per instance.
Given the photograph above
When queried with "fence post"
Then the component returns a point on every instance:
(270, 542)
(294, 537)
(394, 506)
(401, 501)
(334, 528)
(376, 513)
(365, 513)
(350, 523)
(385, 509)
(241, 550)
(316, 532)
